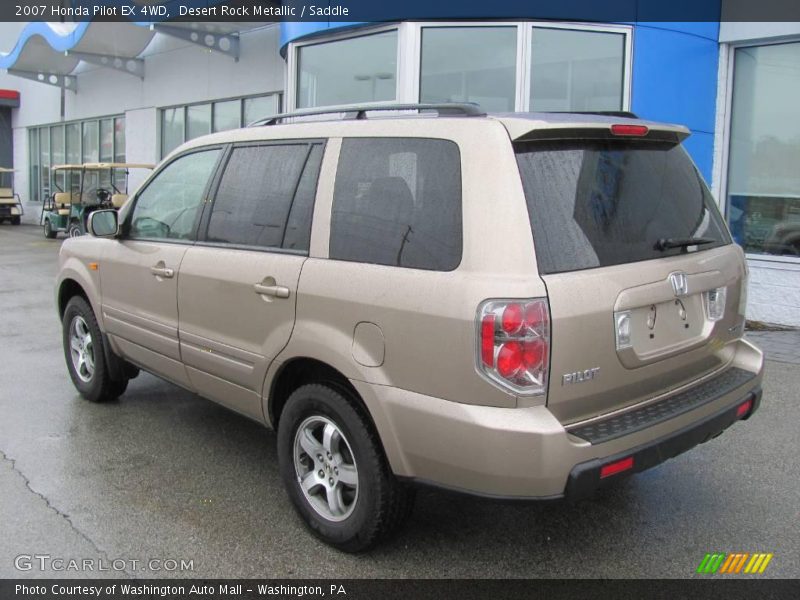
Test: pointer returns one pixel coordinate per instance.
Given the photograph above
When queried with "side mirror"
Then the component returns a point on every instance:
(103, 223)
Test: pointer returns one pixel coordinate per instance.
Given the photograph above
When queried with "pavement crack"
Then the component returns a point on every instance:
(55, 509)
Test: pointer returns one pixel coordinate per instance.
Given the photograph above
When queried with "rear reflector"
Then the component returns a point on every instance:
(744, 408)
(630, 130)
(616, 467)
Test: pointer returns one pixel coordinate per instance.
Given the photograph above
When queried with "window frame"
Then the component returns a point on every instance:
(293, 61)
(201, 237)
(409, 55)
(722, 139)
(627, 46)
(126, 224)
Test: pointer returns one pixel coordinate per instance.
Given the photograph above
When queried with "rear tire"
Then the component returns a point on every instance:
(351, 499)
(75, 230)
(15, 220)
(49, 233)
(84, 352)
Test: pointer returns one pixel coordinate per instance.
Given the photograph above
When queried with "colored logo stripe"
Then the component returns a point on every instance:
(734, 562)
(711, 563)
(758, 563)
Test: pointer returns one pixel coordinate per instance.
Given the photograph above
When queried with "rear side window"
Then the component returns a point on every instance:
(266, 196)
(397, 201)
(596, 203)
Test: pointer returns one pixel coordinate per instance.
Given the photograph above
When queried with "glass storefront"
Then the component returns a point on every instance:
(358, 69)
(73, 142)
(180, 124)
(469, 64)
(576, 70)
(763, 189)
(502, 66)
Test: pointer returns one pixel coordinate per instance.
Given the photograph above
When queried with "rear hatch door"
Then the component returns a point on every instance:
(642, 278)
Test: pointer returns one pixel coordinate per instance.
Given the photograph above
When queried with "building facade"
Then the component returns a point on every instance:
(97, 91)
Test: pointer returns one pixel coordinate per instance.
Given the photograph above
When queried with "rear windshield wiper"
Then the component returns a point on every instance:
(668, 243)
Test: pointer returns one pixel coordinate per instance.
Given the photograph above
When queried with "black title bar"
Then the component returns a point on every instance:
(359, 11)
(711, 588)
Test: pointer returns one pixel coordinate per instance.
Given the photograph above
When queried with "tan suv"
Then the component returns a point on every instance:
(520, 306)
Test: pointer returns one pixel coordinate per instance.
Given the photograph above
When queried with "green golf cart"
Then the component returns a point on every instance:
(10, 205)
(82, 189)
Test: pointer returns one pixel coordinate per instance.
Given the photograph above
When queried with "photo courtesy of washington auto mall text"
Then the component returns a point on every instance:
(381, 300)
(177, 590)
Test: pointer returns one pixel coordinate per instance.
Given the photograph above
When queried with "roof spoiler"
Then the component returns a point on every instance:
(596, 131)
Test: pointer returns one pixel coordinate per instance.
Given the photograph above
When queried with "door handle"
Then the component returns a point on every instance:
(274, 291)
(164, 272)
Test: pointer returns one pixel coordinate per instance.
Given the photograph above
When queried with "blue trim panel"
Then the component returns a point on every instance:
(675, 80)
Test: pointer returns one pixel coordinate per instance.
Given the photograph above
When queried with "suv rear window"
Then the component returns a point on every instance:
(596, 203)
(397, 201)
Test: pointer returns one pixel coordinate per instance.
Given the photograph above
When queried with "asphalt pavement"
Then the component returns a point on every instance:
(163, 474)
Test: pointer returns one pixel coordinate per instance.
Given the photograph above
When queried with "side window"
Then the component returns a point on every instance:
(168, 207)
(397, 201)
(266, 196)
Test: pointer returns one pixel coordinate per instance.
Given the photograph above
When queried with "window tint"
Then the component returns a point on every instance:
(169, 205)
(601, 202)
(397, 201)
(266, 196)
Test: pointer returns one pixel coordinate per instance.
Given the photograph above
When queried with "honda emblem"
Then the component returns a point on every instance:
(680, 283)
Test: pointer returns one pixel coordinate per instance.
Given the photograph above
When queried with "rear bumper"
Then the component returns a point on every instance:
(526, 453)
(586, 477)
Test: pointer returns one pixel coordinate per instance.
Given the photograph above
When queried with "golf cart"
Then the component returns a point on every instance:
(10, 205)
(80, 191)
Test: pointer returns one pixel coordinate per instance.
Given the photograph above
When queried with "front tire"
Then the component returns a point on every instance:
(84, 352)
(49, 233)
(334, 470)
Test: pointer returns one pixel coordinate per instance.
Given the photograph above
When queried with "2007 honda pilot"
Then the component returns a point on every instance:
(517, 306)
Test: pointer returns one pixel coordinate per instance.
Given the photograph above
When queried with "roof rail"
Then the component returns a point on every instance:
(467, 109)
(602, 113)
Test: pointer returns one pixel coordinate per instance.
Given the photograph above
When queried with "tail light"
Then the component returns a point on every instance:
(514, 344)
(715, 303)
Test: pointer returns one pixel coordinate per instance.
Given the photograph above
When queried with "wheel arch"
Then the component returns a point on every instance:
(303, 370)
(76, 279)
(67, 289)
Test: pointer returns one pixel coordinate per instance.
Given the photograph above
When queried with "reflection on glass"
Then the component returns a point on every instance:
(91, 149)
(198, 120)
(73, 132)
(258, 108)
(469, 64)
(119, 139)
(576, 70)
(44, 152)
(763, 173)
(362, 69)
(227, 115)
(172, 129)
(106, 140)
(33, 149)
(57, 152)
(106, 151)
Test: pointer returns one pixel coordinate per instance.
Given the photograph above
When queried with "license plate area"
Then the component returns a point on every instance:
(663, 329)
